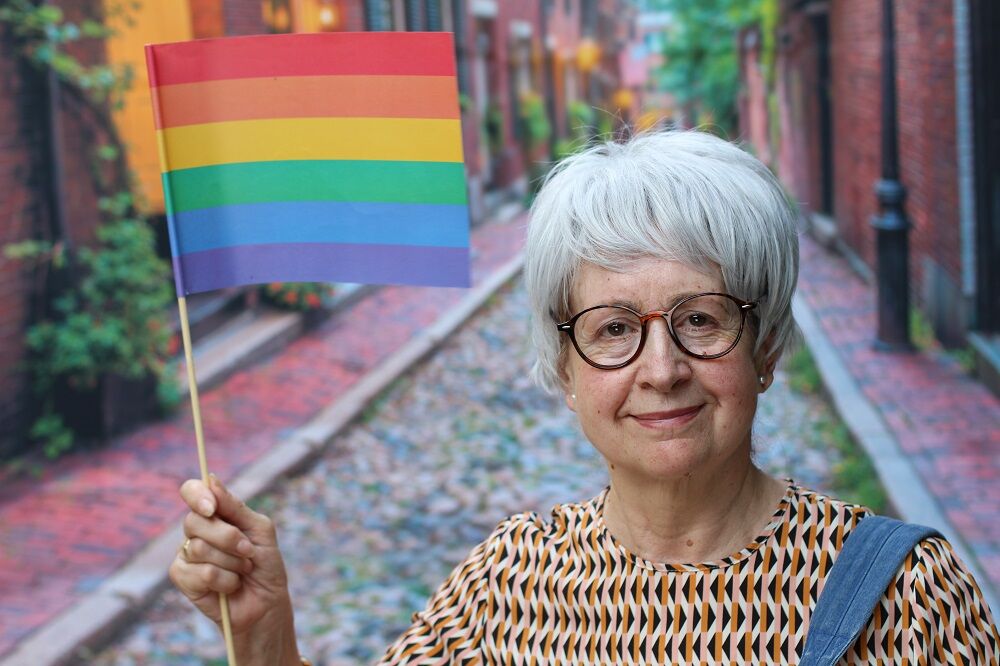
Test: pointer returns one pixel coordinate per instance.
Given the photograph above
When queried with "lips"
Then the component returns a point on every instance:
(671, 417)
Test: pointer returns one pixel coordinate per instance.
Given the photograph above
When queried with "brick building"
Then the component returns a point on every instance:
(827, 84)
(42, 135)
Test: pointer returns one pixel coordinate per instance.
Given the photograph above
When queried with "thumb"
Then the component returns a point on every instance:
(234, 510)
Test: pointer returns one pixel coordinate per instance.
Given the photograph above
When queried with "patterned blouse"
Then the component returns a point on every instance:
(565, 592)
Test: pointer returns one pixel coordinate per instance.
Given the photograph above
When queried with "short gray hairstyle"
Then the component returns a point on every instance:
(680, 195)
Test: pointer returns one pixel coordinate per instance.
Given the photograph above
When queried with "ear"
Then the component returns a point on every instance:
(566, 382)
(765, 362)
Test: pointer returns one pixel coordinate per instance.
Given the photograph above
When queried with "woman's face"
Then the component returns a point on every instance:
(666, 415)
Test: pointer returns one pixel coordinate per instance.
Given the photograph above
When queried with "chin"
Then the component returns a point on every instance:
(670, 458)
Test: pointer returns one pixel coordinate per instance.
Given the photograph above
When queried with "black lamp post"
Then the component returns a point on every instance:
(891, 225)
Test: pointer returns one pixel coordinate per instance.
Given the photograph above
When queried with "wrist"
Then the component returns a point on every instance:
(271, 641)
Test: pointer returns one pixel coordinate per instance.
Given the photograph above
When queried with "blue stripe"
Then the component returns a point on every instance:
(437, 225)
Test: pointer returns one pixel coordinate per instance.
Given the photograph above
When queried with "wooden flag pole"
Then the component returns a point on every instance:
(227, 628)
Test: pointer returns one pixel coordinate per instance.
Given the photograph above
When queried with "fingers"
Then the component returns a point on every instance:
(232, 509)
(197, 579)
(200, 551)
(218, 535)
(214, 499)
(198, 497)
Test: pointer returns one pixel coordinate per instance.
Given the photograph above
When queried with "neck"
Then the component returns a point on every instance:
(697, 518)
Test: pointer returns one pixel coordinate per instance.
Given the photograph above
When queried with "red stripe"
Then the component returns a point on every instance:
(367, 53)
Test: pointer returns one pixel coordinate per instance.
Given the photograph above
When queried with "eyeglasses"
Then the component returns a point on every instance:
(704, 326)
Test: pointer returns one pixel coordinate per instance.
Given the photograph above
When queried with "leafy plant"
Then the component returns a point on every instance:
(112, 318)
(854, 477)
(700, 56)
(535, 120)
(303, 296)
(581, 119)
(493, 128)
(113, 322)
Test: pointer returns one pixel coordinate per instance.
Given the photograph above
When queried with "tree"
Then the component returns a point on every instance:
(701, 61)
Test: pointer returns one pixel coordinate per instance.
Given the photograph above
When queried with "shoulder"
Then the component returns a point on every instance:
(812, 505)
(530, 531)
(935, 611)
(816, 523)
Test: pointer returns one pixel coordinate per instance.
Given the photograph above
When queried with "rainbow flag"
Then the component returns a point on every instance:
(312, 158)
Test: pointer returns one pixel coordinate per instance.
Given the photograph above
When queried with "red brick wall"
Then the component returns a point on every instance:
(22, 208)
(855, 38)
(925, 71)
(753, 96)
(796, 80)
(928, 153)
(24, 185)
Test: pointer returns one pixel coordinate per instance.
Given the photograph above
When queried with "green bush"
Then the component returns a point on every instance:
(113, 321)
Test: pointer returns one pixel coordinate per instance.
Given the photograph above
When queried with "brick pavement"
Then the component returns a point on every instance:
(946, 423)
(63, 534)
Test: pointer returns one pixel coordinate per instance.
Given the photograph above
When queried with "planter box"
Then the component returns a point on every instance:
(115, 405)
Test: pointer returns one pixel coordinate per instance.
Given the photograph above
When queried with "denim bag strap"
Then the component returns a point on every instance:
(866, 565)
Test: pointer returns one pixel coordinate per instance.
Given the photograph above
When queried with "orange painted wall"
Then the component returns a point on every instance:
(156, 21)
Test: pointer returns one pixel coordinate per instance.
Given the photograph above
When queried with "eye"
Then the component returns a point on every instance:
(698, 321)
(616, 329)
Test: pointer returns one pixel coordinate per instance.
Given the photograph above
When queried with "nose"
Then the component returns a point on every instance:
(661, 364)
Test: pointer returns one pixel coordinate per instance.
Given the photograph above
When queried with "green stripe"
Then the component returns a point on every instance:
(319, 180)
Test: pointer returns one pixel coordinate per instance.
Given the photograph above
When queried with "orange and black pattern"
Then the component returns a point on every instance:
(565, 592)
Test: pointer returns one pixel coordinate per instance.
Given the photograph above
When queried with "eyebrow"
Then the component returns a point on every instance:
(632, 305)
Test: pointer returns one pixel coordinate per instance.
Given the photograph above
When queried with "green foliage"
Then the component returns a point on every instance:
(566, 147)
(535, 120)
(56, 438)
(803, 375)
(43, 34)
(301, 296)
(700, 56)
(854, 476)
(581, 119)
(113, 320)
(493, 128)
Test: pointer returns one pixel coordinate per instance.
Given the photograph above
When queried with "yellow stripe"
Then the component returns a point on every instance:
(404, 139)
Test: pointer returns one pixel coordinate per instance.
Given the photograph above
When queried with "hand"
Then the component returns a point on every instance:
(234, 550)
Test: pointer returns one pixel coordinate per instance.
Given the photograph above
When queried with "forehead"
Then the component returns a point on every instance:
(645, 284)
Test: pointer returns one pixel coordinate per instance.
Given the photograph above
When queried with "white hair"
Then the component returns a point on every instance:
(680, 195)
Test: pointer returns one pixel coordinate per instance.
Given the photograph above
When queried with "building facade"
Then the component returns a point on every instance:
(821, 131)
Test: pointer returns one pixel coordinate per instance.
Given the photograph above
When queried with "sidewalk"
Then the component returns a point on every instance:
(932, 431)
(64, 534)
(935, 434)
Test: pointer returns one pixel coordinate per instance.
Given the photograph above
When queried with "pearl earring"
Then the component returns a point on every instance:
(761, 380)
(572, 396)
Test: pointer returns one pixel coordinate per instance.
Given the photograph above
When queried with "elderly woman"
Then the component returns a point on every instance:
(661, 274)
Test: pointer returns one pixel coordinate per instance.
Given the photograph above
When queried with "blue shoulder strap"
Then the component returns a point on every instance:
(866, 565)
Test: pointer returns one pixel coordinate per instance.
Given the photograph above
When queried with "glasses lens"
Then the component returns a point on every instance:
(707, 325)
(608, 335)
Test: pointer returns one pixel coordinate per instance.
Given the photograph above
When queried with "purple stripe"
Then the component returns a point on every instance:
(325, 262)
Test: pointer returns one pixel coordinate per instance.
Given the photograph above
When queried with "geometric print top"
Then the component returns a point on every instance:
(564, 591)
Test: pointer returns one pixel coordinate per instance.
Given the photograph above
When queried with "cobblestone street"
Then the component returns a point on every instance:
(457, 444)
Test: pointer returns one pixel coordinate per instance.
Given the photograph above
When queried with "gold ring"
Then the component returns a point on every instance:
(184, 549)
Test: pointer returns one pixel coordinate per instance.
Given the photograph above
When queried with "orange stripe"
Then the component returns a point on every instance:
(307, 97)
